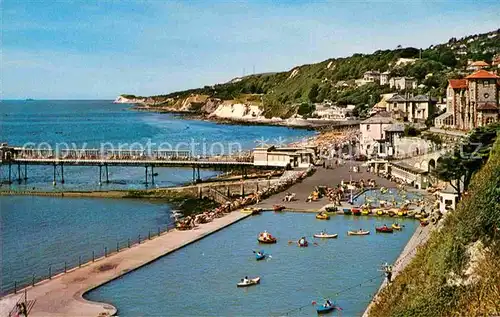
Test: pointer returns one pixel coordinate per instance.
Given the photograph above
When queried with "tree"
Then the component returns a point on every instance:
(459, 165)
(313, 93)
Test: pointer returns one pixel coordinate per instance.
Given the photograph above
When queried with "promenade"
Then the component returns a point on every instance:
(322, 176)
(62, 295)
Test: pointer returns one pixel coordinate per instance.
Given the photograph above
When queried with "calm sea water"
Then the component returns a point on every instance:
(100, 123)
(200, 280)
(38, 232)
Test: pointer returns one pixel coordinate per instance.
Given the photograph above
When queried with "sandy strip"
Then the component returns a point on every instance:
(419, 237)
(62, 295)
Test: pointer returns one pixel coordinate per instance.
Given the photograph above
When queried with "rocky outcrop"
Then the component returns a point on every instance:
(129, 100)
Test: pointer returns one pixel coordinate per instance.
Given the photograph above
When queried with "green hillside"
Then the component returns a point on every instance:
(333, 79)
(457, 272)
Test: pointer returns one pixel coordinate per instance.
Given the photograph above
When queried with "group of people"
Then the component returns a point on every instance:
(287, 180)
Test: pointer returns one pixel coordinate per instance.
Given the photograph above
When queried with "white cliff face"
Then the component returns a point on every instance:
(121, 99)
(237, 111)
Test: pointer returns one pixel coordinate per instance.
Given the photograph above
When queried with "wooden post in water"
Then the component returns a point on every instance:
(10, 173)
(54, 178)
(62, 173)
(146, 175)
(152, 175)
(19, 173)
(100, 175)
(107, 176)
(25, 172)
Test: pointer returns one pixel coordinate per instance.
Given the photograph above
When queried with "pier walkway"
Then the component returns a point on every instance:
(63, 294)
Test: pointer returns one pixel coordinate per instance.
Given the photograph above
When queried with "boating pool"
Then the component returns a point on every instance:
(200, 280)
(374, 196)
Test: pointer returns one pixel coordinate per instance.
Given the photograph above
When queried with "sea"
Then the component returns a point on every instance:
(42, 235)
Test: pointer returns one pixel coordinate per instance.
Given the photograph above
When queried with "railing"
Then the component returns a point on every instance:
(126, 156)
(76, 262)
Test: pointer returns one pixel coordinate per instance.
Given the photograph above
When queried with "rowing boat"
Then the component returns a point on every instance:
(325, 236)
(249, 282)
(322, 216)
(384, 229)
(358, 233)
(396, 227)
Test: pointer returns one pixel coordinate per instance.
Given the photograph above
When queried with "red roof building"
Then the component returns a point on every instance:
(458, 83)
(482, 74)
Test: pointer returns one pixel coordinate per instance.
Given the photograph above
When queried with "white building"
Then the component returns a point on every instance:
(373, 134)
(288, 157)
(403, 83)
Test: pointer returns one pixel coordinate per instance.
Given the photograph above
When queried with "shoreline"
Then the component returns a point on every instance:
(419, 237)
(63, 294)
(306, 125)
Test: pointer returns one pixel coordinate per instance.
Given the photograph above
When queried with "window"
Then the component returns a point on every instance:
(486, 95)
(448, 202)
(486, 83)
(367, 127)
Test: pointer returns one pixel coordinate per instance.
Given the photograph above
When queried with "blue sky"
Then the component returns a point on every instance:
(99, 49)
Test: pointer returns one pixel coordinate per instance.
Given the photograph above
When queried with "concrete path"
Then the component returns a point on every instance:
(322, 176)
(62, 295)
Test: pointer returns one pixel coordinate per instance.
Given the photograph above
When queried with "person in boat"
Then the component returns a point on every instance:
(259, 253)
(328, 303)
(302, 241)
(245, 280)
(360, 230)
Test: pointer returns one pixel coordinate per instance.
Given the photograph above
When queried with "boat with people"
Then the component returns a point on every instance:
(302, 242)
(396, 226)
(324, 235)
(266, 237)
(359, 232)
(245, 282)
(379, 212)
(327, 307)
(322, 216)
(365, 212)
(384, 229)
(260, 255)
(278, 207)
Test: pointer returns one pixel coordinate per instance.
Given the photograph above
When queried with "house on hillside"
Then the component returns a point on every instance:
(373, 134)
(471, 102)
(403, 83)
(496, 61)
(384, 78)
(411, 108)
(372, 76)
(477, 65)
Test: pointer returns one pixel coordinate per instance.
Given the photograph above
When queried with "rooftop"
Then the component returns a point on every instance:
(458, 83)
(381, 117)
(482, 74)
(397, 127)
(479, 63)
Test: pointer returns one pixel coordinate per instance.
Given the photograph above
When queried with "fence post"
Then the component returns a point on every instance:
(159, 231)
(50, 272)
(117, 246)
(79, 261)
(64, 266)
(149, 235)
(15, 287)
(128, 243)
(93, 255)
(33, 280)
(139, 240)
(105, 251)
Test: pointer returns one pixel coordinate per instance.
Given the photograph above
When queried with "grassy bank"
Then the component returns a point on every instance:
(457, 272)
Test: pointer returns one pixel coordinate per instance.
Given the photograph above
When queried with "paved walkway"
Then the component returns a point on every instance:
(322, 176)
(62, 295)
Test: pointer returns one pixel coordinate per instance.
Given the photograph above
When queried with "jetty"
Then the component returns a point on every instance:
(62, 295)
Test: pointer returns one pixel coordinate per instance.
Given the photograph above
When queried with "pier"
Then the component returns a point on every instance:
(62, 295)
(17, 160)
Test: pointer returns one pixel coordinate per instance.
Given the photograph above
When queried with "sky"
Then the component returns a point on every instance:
(100, 49)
